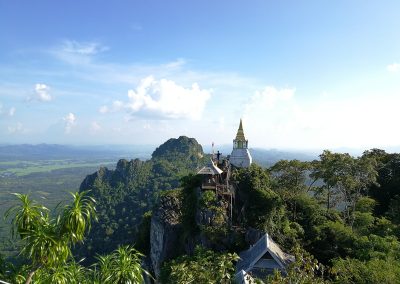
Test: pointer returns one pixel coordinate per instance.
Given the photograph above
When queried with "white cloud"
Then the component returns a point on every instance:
(18, 128)
(84, 48)
(69, 122)
(41, 93)
(275, 118)
(77, 53)
(103, 109)
(269, 97)
(95, 127)
(115, 106)
(163, 99)
(395, 67)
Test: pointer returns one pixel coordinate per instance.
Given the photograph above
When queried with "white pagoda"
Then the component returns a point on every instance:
(240, 156)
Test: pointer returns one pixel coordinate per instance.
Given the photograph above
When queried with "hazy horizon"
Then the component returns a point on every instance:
(225, 148)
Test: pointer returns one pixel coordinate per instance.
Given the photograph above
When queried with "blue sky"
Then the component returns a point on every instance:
(301, 74)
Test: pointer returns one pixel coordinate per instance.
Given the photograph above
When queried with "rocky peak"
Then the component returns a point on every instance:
(183, 147)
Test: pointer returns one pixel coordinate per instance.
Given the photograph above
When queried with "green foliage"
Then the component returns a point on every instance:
(354, 234)
(388, 181)
(203, 267)
(208, 200)
(189, 203)
(394, 209)
(3, 267)
(345, 179)
(177, 149)
(290, 176)
(262, 206)
(365, 205)
(143, 234)
(218, 229)
(122, 266)
(123, 195)
(77, 217)
(254, 177)
(333, 240)
(289, 181)
(71, 272)
(304, 270)
(351, 270)
(47, 242)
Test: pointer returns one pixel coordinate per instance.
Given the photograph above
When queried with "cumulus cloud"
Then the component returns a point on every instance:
(42, 93)
(69, 122)
(395, 67)
(163, 99)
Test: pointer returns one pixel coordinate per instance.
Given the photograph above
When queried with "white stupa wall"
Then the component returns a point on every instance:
(241, 158)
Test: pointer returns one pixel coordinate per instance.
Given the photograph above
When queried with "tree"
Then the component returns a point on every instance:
(121, 266)
(345, 177)
(262, 207)
(203, 267)
(352, 270)
(331, 168)
(388, 181)
(304, 270)
(47, 241)
(290, 181)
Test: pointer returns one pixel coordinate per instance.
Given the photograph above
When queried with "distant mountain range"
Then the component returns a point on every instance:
(263, 157)
(56, 151)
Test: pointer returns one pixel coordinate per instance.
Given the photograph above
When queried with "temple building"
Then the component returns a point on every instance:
(262, 259)
(240, 156)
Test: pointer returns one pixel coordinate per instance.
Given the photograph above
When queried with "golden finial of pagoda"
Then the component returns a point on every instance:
(240, 133)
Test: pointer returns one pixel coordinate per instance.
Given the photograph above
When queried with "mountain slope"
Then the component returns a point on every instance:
(123, 195)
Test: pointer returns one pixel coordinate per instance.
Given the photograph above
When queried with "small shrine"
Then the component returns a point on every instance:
(211, 176)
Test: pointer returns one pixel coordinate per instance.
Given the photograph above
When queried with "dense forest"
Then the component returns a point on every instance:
(338, 215)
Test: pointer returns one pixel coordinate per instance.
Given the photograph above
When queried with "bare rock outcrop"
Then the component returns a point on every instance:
(165, 231)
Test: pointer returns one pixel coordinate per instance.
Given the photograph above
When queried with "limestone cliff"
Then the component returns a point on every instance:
(165, 231)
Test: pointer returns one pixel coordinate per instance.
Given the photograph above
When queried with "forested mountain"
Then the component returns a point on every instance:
(123, 195)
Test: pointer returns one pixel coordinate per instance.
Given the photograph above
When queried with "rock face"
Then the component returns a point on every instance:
(165, 231)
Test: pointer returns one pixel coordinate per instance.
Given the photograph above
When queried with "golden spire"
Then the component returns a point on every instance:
(240, 133)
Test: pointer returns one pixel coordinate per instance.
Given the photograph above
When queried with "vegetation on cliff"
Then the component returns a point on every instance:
(125, 194)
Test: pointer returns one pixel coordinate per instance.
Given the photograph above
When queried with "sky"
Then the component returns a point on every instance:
(301, 74)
